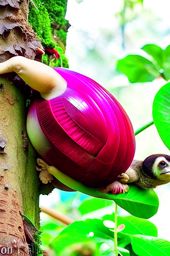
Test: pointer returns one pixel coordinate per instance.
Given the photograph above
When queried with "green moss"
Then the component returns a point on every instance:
(40, 22)
(47, 18)
(57, 11)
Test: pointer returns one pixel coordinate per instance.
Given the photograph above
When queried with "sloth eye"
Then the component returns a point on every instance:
(163, 164)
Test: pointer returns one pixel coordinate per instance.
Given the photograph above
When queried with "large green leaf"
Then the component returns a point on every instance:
(137, 68)
(93, 204)
(161, 113)
(150, 246)
(139, 202)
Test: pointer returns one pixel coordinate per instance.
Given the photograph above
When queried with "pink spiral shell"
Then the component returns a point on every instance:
(85, 132)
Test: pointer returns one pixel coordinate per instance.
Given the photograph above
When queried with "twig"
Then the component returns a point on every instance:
(56, 215)
(141, 129)
(116, 251)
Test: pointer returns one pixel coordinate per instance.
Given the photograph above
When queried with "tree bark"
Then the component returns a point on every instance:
(19, 186)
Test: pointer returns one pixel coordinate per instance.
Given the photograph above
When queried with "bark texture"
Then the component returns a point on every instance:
(18, 180)
(17, 38)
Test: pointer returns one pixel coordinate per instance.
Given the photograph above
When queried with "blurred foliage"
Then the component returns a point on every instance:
(126, 15)
(48, 20)
(138, 68)
(132, 3)
(93, 234)
(128, 6)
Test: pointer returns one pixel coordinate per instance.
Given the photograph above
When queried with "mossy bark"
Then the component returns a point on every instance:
(19, 185)
(18, 179)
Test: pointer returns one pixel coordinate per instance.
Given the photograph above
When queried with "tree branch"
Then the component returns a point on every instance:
(57, 216)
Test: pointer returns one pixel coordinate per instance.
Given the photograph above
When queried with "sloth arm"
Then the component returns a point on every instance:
(37, 75)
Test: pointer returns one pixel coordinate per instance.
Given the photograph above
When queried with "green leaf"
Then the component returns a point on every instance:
(48, 231)
(92, 230)
(132, 3)
(123, 251)
(134, 225)
(137, 68)
(150, 246)
(166, 63)
(156, 52)
(139, 202)
(93, 204)
(124, 240)
(106, 252)
(161, 113)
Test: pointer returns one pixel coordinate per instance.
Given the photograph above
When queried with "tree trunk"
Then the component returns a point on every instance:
(19, 186)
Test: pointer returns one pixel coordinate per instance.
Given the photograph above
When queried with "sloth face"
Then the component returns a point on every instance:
(157, 166)
(161, 168)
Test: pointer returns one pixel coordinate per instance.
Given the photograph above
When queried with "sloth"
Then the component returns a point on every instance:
(153, 171)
